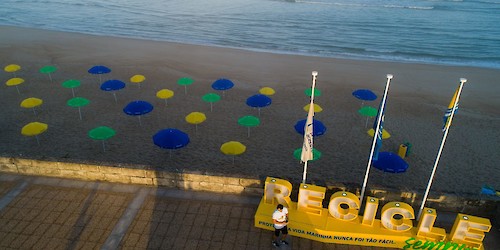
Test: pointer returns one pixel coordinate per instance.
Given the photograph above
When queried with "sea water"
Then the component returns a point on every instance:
(450, 32)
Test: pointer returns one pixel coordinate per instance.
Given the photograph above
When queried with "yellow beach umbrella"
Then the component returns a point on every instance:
(14, 82)
(12, 68)
(267, 91)
(317, 108)
(34, 129)
(165, 94)
(31, 103)
(137, 79)
(196, 118)
(385, 134)
(233, 148)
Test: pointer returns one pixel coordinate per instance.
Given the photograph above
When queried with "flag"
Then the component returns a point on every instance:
(378, 143)
(307, 146)
(447, 114)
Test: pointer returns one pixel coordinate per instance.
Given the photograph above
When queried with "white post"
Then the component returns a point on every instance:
(445, 134)
(305, 173)
(376, 132)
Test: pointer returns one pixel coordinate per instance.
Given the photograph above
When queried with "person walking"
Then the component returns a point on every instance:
(280, 220)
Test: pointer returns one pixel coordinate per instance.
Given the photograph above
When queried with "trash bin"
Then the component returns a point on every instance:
(408, 149)
(402, 150)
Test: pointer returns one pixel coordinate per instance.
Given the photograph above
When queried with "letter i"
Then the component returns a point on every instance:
(370, 211)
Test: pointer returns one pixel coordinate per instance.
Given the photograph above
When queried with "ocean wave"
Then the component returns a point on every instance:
(368, 5)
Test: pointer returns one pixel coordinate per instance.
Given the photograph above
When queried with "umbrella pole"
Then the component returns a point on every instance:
(37, 141)
(140, 122)
(233, 159)
(73, 92)
(185, 90)
(18, 90)
(196, 128)
(50, 77)
(211, 107)
(34, 112)
(248, 132)
(259, 111)
(80, 112)
(103, 146)
(366, 123)
(166, 102)
(114, 94)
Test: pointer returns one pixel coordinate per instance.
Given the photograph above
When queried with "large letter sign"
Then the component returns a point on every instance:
(341, 223)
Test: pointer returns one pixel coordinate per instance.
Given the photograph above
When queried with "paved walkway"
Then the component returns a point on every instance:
(52, 213)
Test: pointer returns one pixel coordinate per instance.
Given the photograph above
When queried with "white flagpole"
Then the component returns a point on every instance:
(376, 132)
(445, 134)
(308, 138)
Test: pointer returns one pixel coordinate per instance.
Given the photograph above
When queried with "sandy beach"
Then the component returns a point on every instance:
(418, 96)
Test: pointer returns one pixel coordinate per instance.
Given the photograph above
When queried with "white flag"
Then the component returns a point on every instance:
(307, 146)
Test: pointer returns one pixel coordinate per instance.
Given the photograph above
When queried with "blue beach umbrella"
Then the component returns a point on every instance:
(390, 162)
(170, 138)
(99, 70)
(222, 84)
(259, 101)
(318, 127)
(364, 95)
(112, 85)
(138, 108)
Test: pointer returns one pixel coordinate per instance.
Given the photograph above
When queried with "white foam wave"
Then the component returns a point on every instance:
(367, 5)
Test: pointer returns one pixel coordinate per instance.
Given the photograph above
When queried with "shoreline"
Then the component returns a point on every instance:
(291, 53)
(417, 99)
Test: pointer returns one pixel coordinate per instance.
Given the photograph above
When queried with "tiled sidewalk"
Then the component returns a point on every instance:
(50, 213)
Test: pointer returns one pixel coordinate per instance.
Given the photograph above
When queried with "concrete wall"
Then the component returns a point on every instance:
(469, 204)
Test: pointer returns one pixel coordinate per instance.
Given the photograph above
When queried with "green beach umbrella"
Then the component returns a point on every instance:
(211, 98)
(249, 121)
(71, 84)
(368, 112)
(185, 81)
(298, 152)
(102, 133)
(49, 69)
(308, 92)
(78, 102)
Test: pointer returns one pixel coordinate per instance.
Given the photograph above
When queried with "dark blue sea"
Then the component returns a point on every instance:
(450, 32)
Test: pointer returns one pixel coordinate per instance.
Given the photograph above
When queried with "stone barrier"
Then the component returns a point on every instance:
(464, 203)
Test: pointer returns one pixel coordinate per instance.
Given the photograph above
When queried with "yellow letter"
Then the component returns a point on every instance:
(346, 199)
(469, 230)
(399, 209)
(426, 227)
(370, 211)
(311, 199)
(277, 190)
